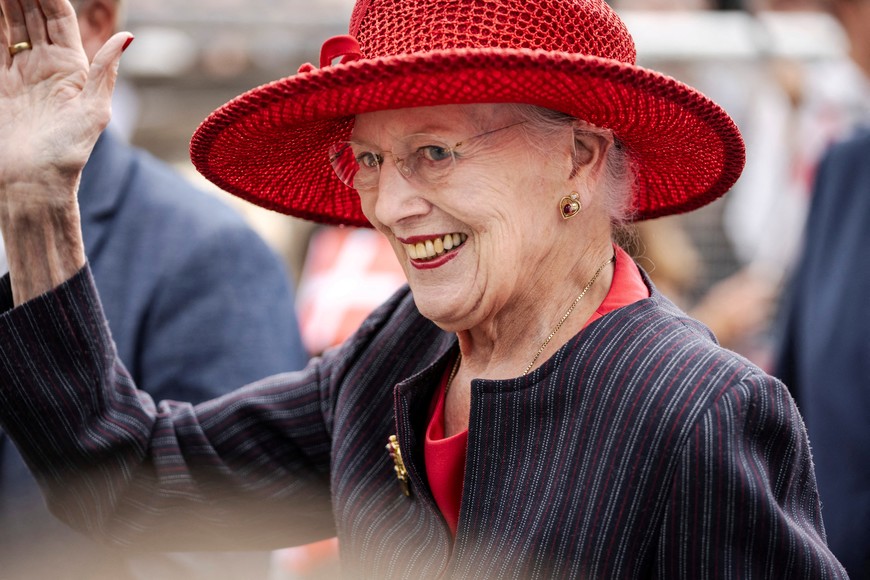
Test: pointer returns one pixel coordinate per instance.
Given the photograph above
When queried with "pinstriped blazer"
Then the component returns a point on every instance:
(641, 449)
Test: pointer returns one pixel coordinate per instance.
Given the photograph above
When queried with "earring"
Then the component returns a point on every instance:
(570, 205)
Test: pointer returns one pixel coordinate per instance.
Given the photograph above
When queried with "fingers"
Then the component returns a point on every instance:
(104, 68)
(16, 25)
(41, 22)
(4, 41)
(35, 22)
(61, 23)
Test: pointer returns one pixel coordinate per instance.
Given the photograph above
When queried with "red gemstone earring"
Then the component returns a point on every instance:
(570, 205)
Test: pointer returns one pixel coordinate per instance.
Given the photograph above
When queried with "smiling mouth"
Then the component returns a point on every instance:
(435, 247)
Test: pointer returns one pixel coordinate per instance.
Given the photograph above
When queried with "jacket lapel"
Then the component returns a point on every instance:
(104, 183)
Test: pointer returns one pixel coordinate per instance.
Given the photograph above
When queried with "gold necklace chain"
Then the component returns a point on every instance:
(568, 313)
(571, 308)
(452, 374)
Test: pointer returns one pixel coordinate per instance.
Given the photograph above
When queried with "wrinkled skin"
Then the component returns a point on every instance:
(53, 106)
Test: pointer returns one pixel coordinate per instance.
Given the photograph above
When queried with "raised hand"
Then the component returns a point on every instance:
(53, 103)
(53, 107)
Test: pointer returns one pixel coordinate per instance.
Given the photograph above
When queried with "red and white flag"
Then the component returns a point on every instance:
(348, 273)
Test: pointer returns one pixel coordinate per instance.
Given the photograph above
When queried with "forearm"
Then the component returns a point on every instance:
(170, 478)
(43, 240)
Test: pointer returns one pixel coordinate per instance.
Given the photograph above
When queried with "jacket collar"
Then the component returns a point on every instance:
(105, 177)
(105, 182)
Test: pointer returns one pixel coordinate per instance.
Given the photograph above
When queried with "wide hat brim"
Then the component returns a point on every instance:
(270, 145)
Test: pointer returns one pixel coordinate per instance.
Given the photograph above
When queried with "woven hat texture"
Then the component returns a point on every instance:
(270, 145)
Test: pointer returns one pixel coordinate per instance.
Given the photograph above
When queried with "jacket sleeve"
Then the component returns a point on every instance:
(247, 471)
(743, 500)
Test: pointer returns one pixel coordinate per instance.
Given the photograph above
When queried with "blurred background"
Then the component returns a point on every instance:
(783, 69)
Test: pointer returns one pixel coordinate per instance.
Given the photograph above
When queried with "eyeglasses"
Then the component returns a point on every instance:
(427, 157)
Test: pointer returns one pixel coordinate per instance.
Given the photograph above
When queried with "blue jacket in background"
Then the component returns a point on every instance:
(825, 347)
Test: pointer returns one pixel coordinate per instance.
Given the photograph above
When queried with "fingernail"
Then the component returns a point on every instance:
(126, 44)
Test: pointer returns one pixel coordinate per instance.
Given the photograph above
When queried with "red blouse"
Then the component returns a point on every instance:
(445, 456)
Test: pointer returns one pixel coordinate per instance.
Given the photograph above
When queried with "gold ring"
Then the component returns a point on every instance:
(19, 47)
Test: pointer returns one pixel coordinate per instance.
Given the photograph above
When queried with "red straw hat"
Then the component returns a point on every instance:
(270, 145)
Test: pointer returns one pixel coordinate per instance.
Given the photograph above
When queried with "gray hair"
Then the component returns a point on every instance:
(544, 125)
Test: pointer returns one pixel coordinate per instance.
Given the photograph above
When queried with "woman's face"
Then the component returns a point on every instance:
(475, 236)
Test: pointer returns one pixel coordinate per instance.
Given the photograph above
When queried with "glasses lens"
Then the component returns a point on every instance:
(425, 156)
(343, 162)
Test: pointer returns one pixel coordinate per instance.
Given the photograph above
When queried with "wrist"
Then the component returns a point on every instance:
(53, 189)
(43, 240)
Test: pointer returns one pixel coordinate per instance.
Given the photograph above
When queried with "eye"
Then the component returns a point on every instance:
(369, 160)
(435, 153)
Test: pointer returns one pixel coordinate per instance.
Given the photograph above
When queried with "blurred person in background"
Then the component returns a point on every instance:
(737, 308)
(824, 348)
(196, 303)
(854, 17)
(546, 411)
(795, 108)
(824, 351)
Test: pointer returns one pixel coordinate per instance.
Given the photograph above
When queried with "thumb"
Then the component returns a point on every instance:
(104, 68)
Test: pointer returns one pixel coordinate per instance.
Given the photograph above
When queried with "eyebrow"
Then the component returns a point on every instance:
(432, 128)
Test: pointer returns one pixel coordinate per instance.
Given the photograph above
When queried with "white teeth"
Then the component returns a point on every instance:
(434, 247)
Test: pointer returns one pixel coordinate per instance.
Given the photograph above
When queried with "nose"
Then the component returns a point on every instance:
(399, 198)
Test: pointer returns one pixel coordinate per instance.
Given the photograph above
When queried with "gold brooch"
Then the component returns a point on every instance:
(401, 472)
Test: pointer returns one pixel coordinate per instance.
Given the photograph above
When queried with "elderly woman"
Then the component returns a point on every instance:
(546, 412)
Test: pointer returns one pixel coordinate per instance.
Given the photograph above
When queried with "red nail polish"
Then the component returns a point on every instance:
(126, 44)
